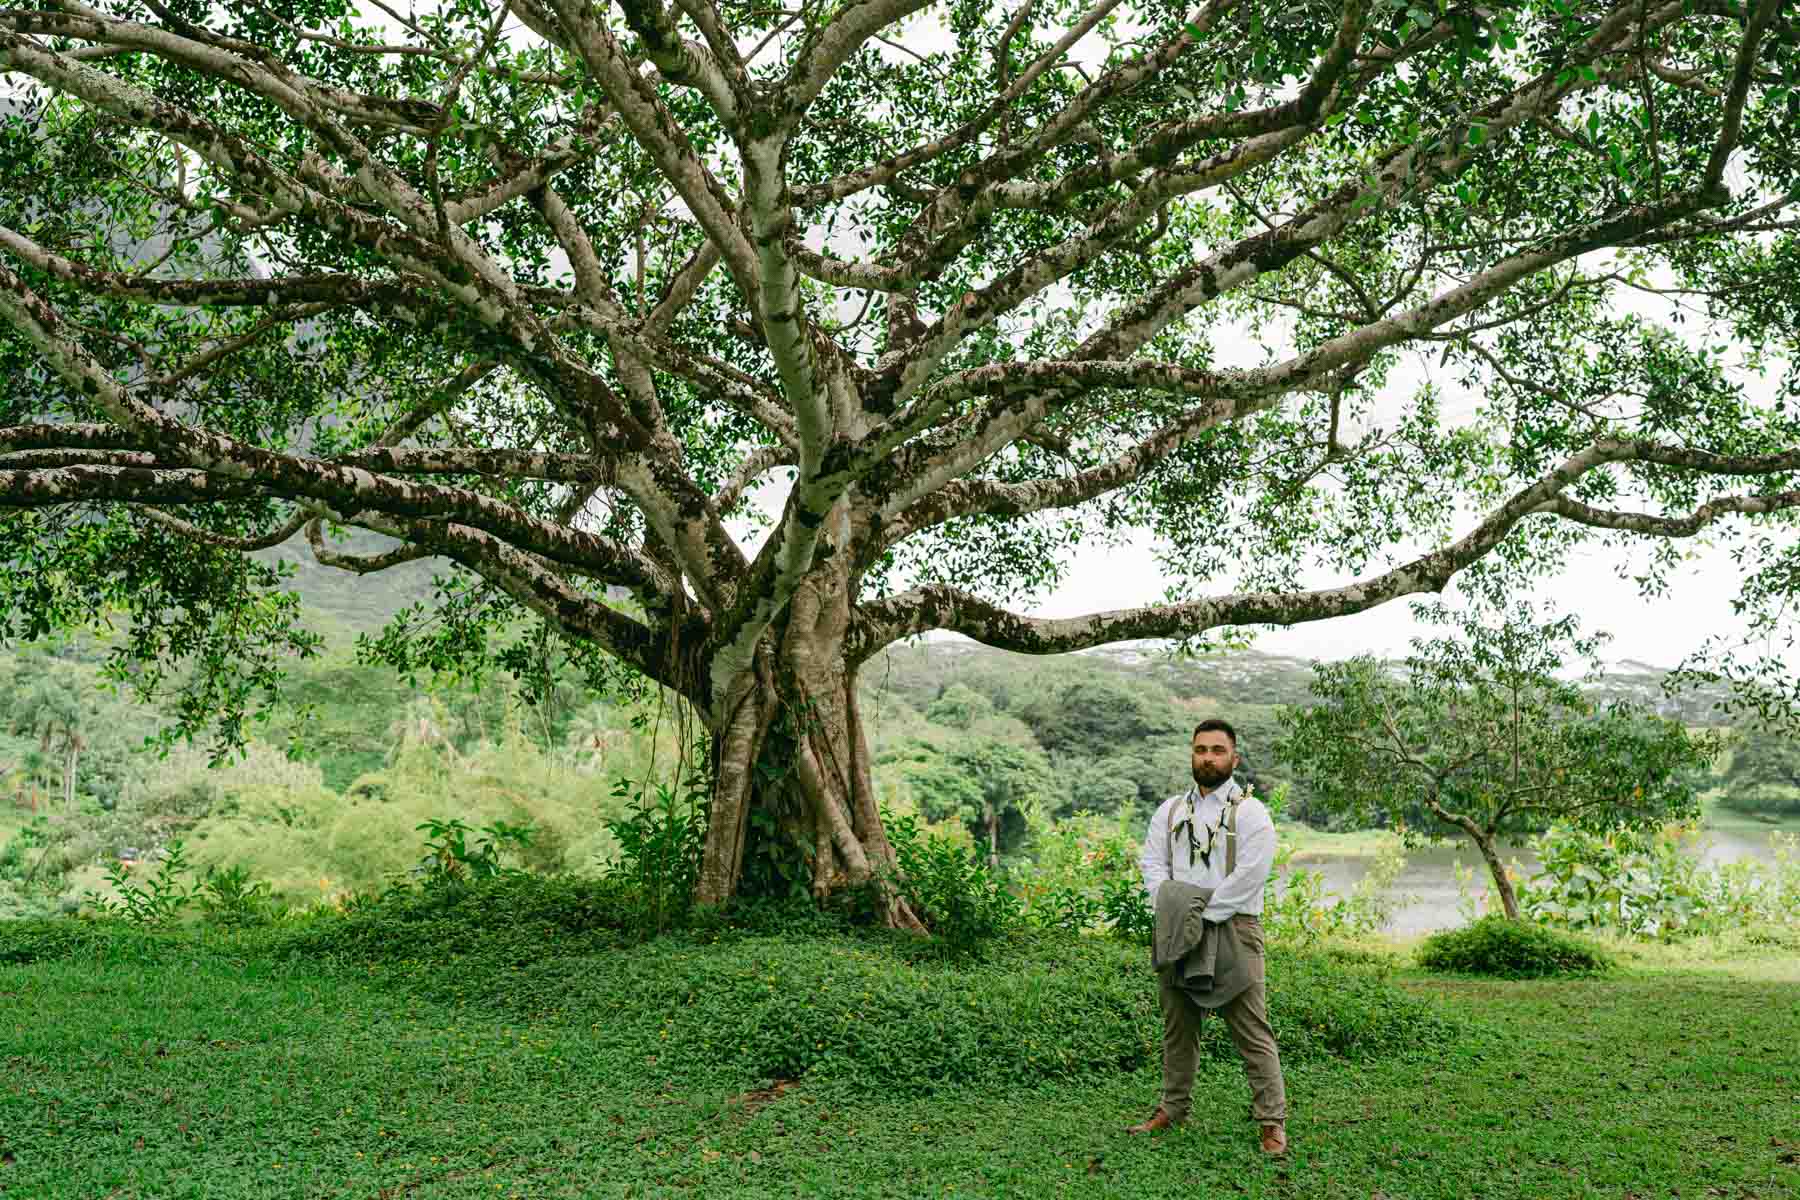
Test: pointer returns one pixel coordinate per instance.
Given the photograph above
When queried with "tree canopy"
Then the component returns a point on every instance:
(733, 342)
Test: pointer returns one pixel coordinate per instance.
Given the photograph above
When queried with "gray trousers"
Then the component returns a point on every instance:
(1247, 1017)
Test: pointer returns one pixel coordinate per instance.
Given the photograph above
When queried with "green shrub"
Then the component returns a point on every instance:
(1084, 875)
(662, 839)
(51, 939)
(229, 896)
(950, 887)
(867, 1010)
(511, 918)
(1510, 949)
(453, 860)
(159, 899)
(1656, 884)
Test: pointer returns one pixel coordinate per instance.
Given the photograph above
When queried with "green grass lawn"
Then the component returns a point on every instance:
(222, 1069)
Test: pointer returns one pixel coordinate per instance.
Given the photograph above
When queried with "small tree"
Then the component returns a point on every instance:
(1477, 733)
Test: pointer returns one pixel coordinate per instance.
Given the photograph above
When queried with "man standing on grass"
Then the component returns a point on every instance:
(1191, 842)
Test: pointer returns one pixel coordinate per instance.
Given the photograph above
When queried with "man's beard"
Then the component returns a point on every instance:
(1211, 777)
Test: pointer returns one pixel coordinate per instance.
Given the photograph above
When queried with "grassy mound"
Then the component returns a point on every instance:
(865, 1009)
(1509, 949)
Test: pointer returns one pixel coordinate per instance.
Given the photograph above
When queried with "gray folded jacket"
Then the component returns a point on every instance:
(1202, 959)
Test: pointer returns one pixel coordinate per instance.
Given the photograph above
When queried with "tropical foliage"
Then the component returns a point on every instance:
(1654, 883)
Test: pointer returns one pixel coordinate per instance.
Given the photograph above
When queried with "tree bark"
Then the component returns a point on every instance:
(69, 763)
(1509, 899)
(822, 797)
(1484, 842)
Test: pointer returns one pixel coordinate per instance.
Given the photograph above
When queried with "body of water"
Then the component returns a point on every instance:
(1430, 876)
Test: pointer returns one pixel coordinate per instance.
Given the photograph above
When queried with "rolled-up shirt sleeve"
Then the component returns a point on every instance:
(1154, 862)
(1255, 859)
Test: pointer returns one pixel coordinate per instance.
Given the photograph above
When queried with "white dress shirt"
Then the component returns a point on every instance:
(1242, 891)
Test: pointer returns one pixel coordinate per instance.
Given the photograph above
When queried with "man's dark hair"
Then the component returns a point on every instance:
(1219, 725)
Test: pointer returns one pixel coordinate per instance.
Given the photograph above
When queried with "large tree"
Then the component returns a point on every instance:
(737, 341)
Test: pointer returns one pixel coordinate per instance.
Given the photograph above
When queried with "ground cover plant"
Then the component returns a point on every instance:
(532, 1047)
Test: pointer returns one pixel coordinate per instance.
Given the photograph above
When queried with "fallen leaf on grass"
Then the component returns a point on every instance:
(751, 1101)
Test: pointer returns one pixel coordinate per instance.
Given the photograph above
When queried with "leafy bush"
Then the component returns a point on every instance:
(950, 888)
(230, 897)
(1041, 1008)
(662, 838)
(866, 1011)
(1511, 950)
(512, 919)
(1086, 877)
(450, 860)
(1655, 884)
(1127, 910)
(50, 939)
(157, 901)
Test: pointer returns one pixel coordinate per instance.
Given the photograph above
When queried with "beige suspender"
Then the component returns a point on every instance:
(1231, 836)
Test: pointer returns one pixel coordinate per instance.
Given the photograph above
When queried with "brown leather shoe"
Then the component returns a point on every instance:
(1274, 1139)
(1159, 1121)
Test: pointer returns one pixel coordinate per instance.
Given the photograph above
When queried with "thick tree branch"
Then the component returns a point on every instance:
(845, 33)
(661, 136)
(234, 468)
(1047, 387)
(1685, 525)
(221, 57)
(1439, 157)
(921, 610)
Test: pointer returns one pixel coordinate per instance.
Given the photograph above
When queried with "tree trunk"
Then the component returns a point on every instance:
(1484, 842)
(69, 761)
(789, 739)
(1509, 900)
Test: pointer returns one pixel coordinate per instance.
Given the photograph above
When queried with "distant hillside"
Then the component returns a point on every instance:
(341, 604)
(1235, 677)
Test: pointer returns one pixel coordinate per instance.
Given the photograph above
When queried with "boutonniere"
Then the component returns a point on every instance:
(1200, 837)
